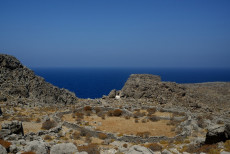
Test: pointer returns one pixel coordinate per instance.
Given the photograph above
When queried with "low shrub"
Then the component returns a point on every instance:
(220, 122)
(87, 108)
(5, 144)
(212, 149)
(162, 110)
(178, 114)
(47, 137)
(38, 120)
(143, 134)
(143, 120)
(227, 145)
(151, 110)
(154, 147)
(97, 109)
(76, 135)
(79, 115)
(91, 148)
(136, 120)
(138, 114)
(88, 113)
(99, 114)
(110, 113)
(48, 125)
(117, 112)
(102, 136)
(164, 142)
(154, 118)
(121, 134)
(125, 145)
(88, 138)
(83, 132)
(127, 117)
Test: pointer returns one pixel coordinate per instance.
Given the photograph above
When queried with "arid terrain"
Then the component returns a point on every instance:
(145, 116)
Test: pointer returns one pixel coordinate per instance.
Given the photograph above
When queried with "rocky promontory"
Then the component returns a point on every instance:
(18, 83)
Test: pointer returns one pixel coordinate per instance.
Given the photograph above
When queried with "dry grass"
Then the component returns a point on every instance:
(31, 127)
(227, 145)
(124, 126)
(90, 148)
(128, 126)
(102, 136)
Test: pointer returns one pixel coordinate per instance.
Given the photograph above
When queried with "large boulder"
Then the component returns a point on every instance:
(2, 150)
(66, 148)
(12, 127)
(136, 149)
(217, 134)
(38, 147)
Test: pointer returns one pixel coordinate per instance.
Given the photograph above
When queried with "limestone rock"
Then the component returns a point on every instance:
(13, 127)
(13, 148)
(36, 146)
(110, 151)
(2, 150)
(136, 149)
(224, 152)
(217, 134)
(67, 148)
(166, 152)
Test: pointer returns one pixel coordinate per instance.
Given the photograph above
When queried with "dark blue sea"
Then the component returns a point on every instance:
(96, 82)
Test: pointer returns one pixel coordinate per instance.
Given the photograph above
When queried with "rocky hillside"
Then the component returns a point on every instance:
(148, 86)
(209, 96)
(20, 84)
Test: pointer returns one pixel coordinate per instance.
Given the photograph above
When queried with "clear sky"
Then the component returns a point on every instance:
(116, 33)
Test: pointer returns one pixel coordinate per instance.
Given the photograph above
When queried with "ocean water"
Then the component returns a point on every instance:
(96, 82)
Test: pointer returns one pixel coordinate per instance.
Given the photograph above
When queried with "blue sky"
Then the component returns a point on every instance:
(116, 33)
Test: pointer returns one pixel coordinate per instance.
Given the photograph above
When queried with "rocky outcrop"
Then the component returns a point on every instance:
(36, 146)
(2, 150)
(13, 127)
(150, 86)
(67, 148)
(21, 84)
(136, 149)
(217, 134)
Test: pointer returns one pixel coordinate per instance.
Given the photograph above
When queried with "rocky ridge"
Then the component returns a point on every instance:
(18, 83)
